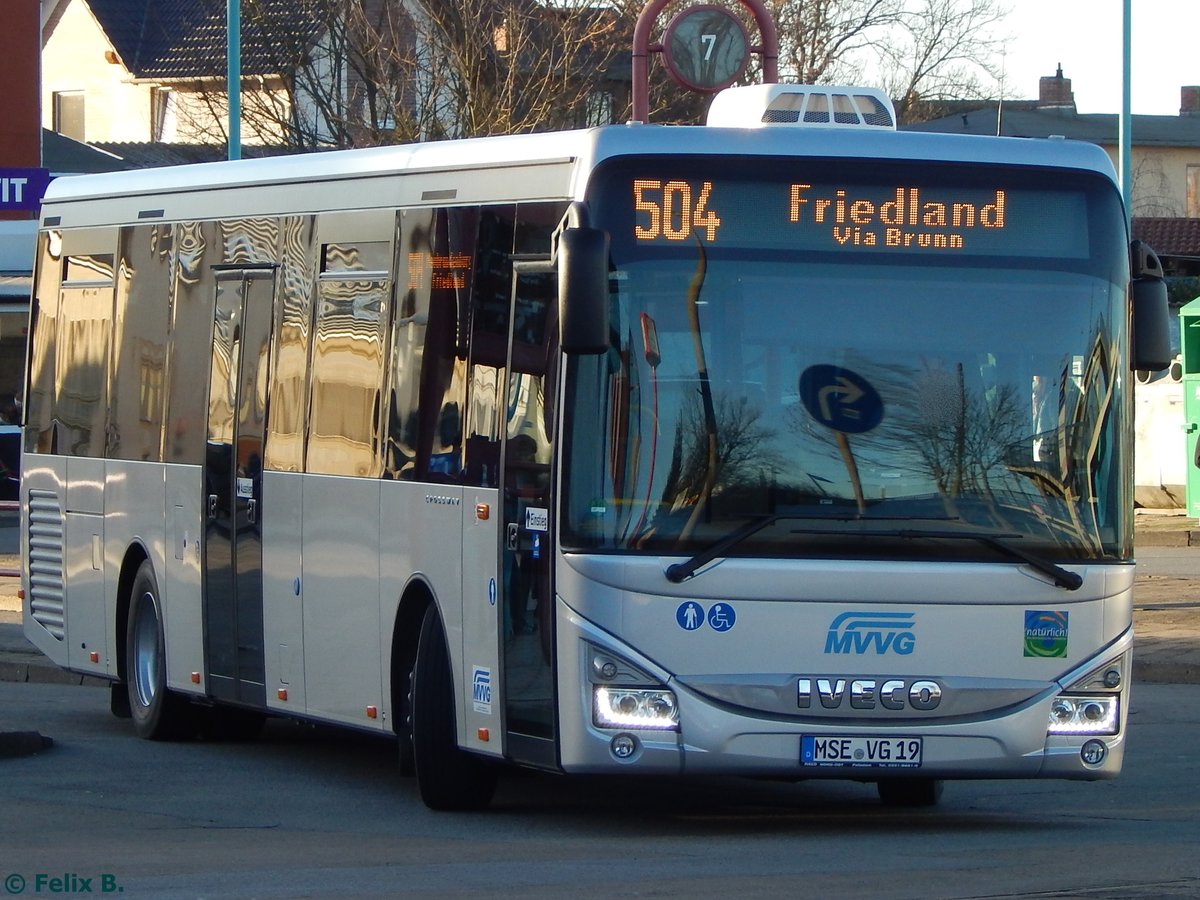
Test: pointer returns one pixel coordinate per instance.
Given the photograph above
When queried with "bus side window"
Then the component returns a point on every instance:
(490, 298)
(136, 407)
(81, 367)
(195, 248)
(287, 422)
(427, 388)
(345, 416)
(39, 395)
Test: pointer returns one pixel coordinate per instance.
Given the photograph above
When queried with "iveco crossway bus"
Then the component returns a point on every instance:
(788, 446)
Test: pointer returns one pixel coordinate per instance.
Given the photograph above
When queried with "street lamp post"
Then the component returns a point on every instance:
(1126, 136)
(233, 75)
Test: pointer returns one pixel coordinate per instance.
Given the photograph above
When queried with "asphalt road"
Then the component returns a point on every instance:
(310, 812)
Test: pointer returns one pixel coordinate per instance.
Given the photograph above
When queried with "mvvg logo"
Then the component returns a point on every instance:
(863, 632)
(481, 690)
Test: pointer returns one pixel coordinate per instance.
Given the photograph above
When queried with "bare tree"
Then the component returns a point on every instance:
(941, 50)
(520, 66)
(364, 72)
(744, 457)
(368, 72)
(1152, 188)
(351, 73)
(820, 40)
(921, 50)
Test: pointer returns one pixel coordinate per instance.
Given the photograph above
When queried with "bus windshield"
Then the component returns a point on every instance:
(854, 359)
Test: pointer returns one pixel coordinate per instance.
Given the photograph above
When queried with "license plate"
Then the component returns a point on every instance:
(878, 752)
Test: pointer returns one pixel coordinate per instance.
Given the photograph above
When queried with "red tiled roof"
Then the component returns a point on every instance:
(1169, 236)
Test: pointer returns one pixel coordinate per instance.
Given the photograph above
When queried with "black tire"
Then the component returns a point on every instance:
(404, 741)
(910, 792)
(404, 756)
(158, 714)
(448, 778)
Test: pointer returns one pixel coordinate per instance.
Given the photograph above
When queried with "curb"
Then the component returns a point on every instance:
(1164, 673)
(1168, 537)
(45, 673)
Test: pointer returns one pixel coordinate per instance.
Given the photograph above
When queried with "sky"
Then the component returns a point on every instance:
(1086, 37)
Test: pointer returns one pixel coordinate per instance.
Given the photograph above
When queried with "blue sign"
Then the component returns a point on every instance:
(840, 399)
(721, 617)
(690, 615)
(22, 188)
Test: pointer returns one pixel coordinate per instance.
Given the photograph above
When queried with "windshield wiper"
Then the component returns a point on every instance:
(1062, 577)
(678, 572)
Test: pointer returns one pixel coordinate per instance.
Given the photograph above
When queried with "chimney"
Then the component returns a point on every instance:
(1189, 100)
(1054, 92)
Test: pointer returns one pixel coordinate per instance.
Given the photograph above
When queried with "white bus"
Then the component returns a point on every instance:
(788, 446)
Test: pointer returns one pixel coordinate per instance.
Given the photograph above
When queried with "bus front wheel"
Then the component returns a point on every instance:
(448, 778)
(157, 713)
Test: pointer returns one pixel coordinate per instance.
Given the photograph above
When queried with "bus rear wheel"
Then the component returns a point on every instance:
(910, 791)
(448, 778)
(158, 714)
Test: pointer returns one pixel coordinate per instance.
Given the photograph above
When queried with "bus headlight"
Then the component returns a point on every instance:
(617, 707)
(1084, 714)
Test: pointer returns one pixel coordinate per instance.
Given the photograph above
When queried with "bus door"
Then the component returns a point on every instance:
(527, 552)
(233, 592)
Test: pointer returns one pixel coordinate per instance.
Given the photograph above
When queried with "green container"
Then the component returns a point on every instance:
(1189, 342)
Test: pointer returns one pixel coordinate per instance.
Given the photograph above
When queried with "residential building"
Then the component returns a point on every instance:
(154, 70)
(1165, 165)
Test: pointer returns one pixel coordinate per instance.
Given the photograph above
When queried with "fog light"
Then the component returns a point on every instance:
(1099, 714)
(1112, 678)
(634, 708)
(623, 746)
(1093, 752)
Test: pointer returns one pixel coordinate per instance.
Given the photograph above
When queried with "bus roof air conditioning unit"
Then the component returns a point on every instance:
(803, 105)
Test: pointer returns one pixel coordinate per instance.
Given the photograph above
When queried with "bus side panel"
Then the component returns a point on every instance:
(340, 596)
(483, 696)
(420, 539)
(43, 534)
(133, 501)
(283, 604)
(83, 564)
(179, 573)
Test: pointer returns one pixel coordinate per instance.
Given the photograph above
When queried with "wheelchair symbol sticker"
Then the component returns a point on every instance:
(721, 617)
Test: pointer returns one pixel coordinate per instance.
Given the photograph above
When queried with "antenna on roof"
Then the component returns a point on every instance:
(1000, 102)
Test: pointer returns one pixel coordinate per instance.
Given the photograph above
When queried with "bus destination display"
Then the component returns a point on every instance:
(807, 215)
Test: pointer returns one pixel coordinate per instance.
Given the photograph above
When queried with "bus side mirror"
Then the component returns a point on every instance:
(583, 290)
(1151, 339)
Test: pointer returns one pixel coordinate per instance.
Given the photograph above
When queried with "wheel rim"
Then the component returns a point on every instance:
(145, 651)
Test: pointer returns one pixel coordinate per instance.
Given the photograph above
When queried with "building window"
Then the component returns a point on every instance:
(599, 106)
(1193, 192)
(68, 114)
(162, 114)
